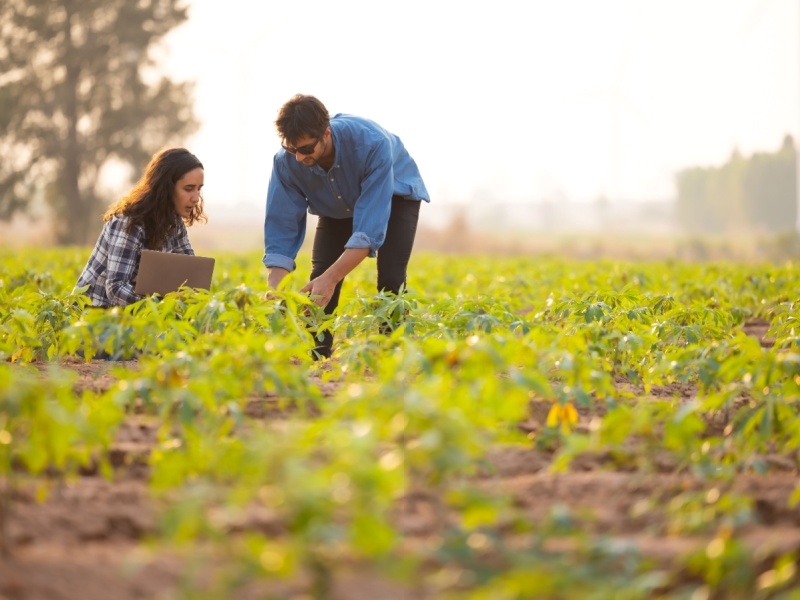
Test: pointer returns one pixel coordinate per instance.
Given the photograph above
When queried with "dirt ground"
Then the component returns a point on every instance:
(90, 539)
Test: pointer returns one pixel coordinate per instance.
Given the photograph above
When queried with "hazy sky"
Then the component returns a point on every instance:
(502, 100)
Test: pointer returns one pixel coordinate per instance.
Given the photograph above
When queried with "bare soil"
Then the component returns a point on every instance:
(91, 538)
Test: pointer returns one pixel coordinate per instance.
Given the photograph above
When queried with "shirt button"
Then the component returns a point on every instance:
(339, 197)
(331, 178)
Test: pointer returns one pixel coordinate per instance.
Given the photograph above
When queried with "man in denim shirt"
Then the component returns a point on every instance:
(363, 185)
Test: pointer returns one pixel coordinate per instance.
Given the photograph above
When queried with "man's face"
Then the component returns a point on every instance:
(307, 150)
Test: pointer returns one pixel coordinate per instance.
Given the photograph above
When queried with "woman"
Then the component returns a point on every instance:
(152, 216)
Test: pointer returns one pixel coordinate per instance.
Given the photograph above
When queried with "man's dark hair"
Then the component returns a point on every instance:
(302, 116)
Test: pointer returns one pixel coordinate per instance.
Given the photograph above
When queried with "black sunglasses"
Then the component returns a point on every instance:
(304, 150)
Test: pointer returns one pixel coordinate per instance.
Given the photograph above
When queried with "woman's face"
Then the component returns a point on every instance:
(187, 192)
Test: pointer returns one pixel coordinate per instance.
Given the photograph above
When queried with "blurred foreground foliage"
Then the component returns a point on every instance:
(559, 359)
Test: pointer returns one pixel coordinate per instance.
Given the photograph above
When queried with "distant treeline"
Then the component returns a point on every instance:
(756, 193)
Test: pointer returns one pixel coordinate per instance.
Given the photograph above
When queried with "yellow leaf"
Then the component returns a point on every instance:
(554, 416)
(570, 415)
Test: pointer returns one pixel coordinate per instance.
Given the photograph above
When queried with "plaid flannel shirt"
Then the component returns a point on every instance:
(113, 265)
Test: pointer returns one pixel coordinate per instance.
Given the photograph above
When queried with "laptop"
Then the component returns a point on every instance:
(164, 272)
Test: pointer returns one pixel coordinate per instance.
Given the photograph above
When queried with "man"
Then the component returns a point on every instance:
(363, 185)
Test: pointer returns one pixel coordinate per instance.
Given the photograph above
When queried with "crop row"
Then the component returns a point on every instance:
(478, 347)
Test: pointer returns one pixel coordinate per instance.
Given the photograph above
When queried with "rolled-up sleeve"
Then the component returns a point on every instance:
(285, 220)
(374, 205)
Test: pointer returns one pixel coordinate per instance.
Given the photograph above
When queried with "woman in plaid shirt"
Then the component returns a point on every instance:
(153, 216)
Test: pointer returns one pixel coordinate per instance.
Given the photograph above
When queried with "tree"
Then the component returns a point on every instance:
(771, 189)
(78, 90)
(756, 193)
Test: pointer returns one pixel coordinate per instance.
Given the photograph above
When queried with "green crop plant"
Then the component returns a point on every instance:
(46, 429)
(290, 467)
(329, 486)
(703, 511)
(785, 325)
(724, 566)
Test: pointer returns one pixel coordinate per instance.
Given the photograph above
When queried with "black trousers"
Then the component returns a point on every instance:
(393, 255)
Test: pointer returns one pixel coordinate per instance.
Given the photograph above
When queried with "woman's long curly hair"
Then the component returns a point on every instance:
(151, 202)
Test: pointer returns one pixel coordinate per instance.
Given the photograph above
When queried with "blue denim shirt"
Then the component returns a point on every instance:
(370, 166)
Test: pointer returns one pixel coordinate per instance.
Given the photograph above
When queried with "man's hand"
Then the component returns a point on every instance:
(274, 278)
(320, 289)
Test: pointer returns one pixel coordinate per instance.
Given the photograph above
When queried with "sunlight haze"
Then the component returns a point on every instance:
(499, 101)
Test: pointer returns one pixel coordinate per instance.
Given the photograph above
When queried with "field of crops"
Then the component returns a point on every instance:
(533, 428)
